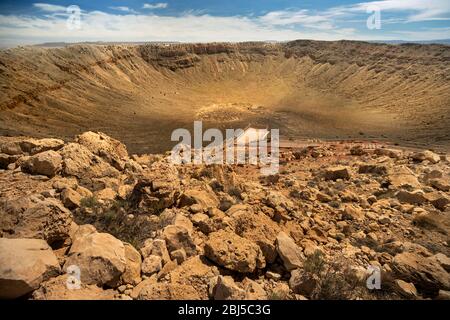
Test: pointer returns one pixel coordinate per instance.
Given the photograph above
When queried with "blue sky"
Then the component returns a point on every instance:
(29, 22)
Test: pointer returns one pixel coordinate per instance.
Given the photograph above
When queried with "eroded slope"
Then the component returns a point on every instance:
(306, 88)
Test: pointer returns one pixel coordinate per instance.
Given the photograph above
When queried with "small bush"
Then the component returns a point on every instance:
(114, 218)
(336, 280)
(89, 202)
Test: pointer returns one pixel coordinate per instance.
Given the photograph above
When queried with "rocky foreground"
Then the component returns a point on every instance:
(138, 227)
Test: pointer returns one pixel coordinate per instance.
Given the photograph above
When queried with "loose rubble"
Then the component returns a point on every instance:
(139, 227)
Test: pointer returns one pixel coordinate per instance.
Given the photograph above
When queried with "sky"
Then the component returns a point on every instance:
(25, 22)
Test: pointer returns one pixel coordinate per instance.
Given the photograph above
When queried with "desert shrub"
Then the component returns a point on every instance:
(89, 202)
(114, 218)
(235, 192)
(275, 295)
(336, 280)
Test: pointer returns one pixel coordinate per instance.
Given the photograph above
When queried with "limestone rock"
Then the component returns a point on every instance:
(338, 172)
(112, 151)
(178, 237)
(11, 148)
(234, 252)
(303, 283)
(426, 155)
(100, 257)
(6, 160)
(414, 197)
(438, 199)
(401, 177)
(70, 198)
(258, 228)
(351, 212)
(157, 190)
(253, 290)
(25, 263)
(391, 153)
(206, 199)
(405, 289)
(79, 162)
(425, 273)
(224, 288)
(132, 274)
(289, 252)
(440, 184)
(56, 289)
(40, 218)
(179, 255)
(46, 163)
(156, 247)
(376, 169)
(34, 146)
(151, 264)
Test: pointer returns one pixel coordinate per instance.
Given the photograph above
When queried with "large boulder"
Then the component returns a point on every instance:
(233, 252)
(112, 151)
(197, 272)
(157, 189)
(425, 273)
(80, 162)
(101, 258)
(34, 146)
(256, 227)
(46, 163)
(289, 252)
(39, 218)
(24, 264)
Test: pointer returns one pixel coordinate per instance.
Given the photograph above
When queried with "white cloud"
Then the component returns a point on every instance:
(301, 18)
(101, 26)
(123, 9)
(49, 7)
(418, 10)
(160, 5)
(200, 27)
